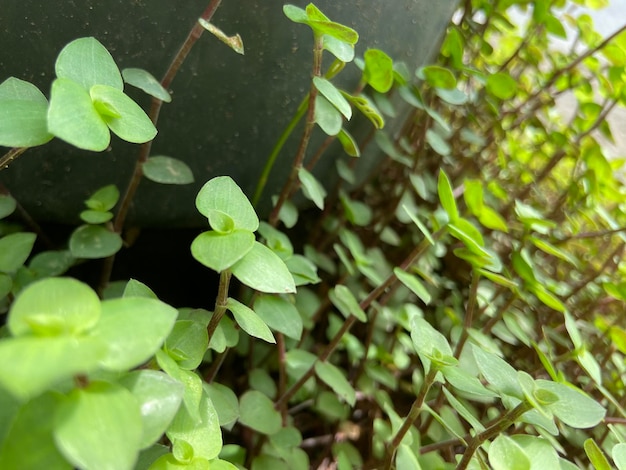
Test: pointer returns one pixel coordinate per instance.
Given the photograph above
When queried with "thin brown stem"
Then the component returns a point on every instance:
(220, 302)
(10, 156)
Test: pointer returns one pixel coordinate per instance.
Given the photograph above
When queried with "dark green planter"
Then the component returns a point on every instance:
(227, 110)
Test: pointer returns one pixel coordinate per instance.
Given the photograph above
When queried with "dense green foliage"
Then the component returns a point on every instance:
(459, 307)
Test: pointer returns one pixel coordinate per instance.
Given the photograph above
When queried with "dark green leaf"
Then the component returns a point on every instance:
(15, 250)
(257, 412)
(342, 298)
(348, 143)
(413, 284)
(312, 188)
(279, 314)
(7, 204)
(333, 377)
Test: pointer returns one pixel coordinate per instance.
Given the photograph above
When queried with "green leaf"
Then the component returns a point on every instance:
(249, 321)
(446, 196)
(94, 241)
(437, 76)
(192, 395)
(279, 314)
(321, 24)
(596, 456)
(573, 407)
(6, 284)
(225, 402)
(312, 188)
(348, 143)
(7, 203)
(205, 435)
(343, 51)
(104, 199)
(428, 342)
(187, 343)
(221, 251)
(619, 455)
(54, 306)
(220, 222)
(73, 117)
(437, 143)
(135, 288)
(257, 412)
(502, 377)
(99, 426)
(333, 95)
(368, 109)
(119, 323)
(342, 298)
(413, 284)
(145, 81)
(87, 62)
(223, 194)
(131, 124)
(263, 270)
(167, 170)
(31, 365)
(378, 71)
(29, 443)
(51, 263)
(295, 14)
(506, 454)
(14, 250)
(23, 114)
(327, 116)
(333, 377)
(501, 85)
(159, 398)
(95, 217)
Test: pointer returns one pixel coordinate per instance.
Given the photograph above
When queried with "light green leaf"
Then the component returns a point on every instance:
(437, 143)
(225, 402)
(187, 343)
(279, 314)
(31, 365)
(223, 194)
(406, 459)
(14, 250)
(299, 362)
(437, 76)
(619, 455)
(596, 456)
(312, 188)
(131, 122)
(257, 412)
(192, 395)
(99, 426)
(263, 270)
(249, 321)
(348, 143)
(414, 284)
(498, 373)
(333, 377)
(167, 170)
(159, 398)
(378, 71)
(221, 251)
(333, 95)
(295, 14)
(54, 306)
(6, 284)
(343, 51)
(204, 436)
(368, 109)
(302, 270)
(446, 196)
(327, 116)
(134, 288)
(501, 85)
(73, 117)
(51, 263)
(29, 443)
(94, 241)
(428, 342)
(119, 323)
(145, 81)
(23, 114)
(87, 62)
(573, 407)
(506, 454)
(342, 298)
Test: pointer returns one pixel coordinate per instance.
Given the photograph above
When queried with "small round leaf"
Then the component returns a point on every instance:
(166, 170)
(94, 241)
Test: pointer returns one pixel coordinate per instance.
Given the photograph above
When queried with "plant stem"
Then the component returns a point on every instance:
(414, 413)
(144, 151)
(10, 156)
(291, 184)
(220, 302)
(498, 427)
(469, 314)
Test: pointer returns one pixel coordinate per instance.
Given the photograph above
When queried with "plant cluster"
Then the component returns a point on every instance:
(459, 307)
